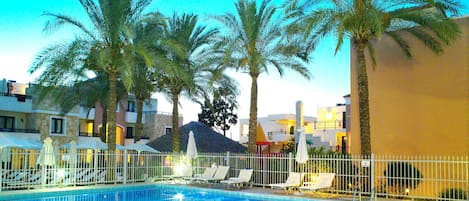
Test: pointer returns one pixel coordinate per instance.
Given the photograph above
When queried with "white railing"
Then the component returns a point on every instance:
(409, 177)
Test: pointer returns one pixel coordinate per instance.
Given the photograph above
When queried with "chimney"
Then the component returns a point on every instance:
(299, 116)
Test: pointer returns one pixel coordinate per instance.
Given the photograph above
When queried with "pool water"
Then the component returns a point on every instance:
(151, 193)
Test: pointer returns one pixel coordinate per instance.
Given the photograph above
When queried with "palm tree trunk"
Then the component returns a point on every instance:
(139, 127)
(111, 157)
(253, 116)
(103, 124)
(175, 117)
(363, 102)
(112, 112)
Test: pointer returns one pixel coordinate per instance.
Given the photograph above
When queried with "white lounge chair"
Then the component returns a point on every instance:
(293, 181)
(220, 174)
(186, 172)
(244, 177)
(208, 173)
(323, 181)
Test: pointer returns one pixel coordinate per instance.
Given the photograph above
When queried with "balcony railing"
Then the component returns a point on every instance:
(16, 95)
(18, 130)
(327, 125)
(86, 134)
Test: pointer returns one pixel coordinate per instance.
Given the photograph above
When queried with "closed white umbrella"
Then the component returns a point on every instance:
(191, 147)
(47, 155)
(301, 151)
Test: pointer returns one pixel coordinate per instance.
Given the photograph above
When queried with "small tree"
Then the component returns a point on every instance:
(401, 176)
(219, 114)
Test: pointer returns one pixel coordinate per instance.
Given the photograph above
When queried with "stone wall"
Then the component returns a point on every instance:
(41, 121)
(157, 123)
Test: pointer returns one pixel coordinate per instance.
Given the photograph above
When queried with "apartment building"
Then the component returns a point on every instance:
(328, 129)
(21, 113)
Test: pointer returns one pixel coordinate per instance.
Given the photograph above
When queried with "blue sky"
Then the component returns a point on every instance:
(21, 38)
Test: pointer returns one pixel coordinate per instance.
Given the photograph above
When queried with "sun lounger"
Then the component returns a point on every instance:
(208, 173)
(244, 177)
(33, 180)
(15, 176)
(220, 174)
(323, 181)
(186, 172)
(293, 181)
(101, 176)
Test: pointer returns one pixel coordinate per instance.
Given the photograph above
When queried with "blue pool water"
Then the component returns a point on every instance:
(149, 193)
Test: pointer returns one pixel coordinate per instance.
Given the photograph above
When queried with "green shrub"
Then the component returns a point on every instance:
(453, 193)
(401, 176)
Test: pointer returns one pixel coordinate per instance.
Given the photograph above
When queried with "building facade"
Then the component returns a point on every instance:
(327, 130)
(418, 106)
(21, 112)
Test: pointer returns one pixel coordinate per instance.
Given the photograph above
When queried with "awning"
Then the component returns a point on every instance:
(89, 143)
(140, 147)
(22, 140)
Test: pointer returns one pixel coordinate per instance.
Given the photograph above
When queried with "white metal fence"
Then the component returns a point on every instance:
(422, 177)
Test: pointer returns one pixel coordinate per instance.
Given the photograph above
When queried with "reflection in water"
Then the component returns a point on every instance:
(154, 194)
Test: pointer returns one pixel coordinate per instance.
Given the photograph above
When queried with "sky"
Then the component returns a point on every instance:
(21, 38)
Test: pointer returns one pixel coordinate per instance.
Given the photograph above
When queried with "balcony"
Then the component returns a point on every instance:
(86, 113)
(131, 117)
(18, 130)
(278, 136)
(17, 103)
(85, 134)
(329, 125)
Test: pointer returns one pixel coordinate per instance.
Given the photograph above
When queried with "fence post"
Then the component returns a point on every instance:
(372, 175)
(290, 162)
(1, 173)
(43, 176)
(227, 160)
(467, 175)
(95, 166)
(124, 169)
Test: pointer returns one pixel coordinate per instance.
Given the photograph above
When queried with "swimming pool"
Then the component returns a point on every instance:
(147, 193)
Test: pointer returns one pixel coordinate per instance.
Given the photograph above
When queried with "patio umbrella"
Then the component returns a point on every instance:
(191, 148)
(302, 152)
(47, 155)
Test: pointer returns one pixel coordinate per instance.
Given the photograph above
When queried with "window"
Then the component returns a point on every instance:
(344, 120)
(129, 133)
(57, 125)
(7, 122)
(131, 106)
(168, 130)
(292, 130)
(118, 106)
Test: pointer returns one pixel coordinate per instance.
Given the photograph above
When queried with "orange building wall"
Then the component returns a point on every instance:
(418, 106)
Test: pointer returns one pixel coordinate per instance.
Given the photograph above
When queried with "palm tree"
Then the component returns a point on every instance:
(253, 43)
(148, 33)
(186, 45)
(108, 43)
(364, 22)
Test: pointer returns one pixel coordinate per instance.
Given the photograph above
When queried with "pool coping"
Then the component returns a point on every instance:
(10, 195)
